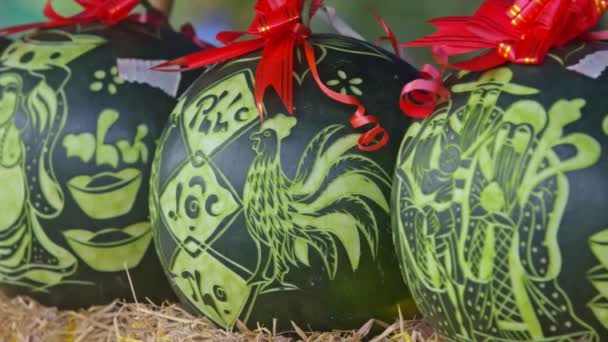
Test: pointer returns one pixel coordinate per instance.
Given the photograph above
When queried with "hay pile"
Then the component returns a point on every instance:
(22, 319)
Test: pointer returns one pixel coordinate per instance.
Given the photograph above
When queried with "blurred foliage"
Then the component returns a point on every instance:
(407, 18)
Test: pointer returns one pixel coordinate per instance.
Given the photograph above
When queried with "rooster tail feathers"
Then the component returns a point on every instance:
(363, 218)
(350, 184)
(322, 242)
(363, 165)
(309, 179)
(321, 164)
(333, 191)
(301, 250)
(327, 249)
(313, 152)
(346, 227)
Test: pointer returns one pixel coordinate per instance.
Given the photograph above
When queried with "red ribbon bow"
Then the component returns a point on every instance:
(520, 31)
(279, 28)
(108, 12)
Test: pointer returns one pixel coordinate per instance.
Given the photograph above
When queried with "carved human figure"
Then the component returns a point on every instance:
(481, 200)
(33, 109)
(511, 254)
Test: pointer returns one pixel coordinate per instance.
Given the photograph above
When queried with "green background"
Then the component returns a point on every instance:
(406, 17)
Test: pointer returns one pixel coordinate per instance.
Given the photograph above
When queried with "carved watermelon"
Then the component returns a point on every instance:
(76, 144)
(499, 203)
(284, 218)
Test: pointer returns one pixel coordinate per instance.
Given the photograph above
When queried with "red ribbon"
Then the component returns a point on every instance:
(189, 32)
(108, 12)
(420, 97)
(278, 27)
(520, 31)
(390, 36)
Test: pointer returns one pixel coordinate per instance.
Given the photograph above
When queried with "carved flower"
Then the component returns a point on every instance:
(112, 79)
(345, 84)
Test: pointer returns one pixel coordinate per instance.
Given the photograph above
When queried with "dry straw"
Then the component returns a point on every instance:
(25, 320)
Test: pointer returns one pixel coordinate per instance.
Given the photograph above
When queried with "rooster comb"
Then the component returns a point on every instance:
(281, 124)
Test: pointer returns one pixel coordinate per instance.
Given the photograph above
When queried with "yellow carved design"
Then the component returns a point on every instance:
(598, 276)
(481, 192)
(107, 194)
(209, 285)
(216, 115)
(101, 77)
(111, 250)
(30, 190)
(106, 153)
(334, 201)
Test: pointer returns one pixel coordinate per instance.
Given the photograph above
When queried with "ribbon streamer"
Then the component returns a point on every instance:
(279, 29)
(390, 36)
(108, 12)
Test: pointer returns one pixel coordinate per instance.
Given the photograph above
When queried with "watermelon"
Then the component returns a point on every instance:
(76, 146)
(499, 203)
(283, 218)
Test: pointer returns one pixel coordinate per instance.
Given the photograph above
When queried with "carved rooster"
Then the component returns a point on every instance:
(330, 200)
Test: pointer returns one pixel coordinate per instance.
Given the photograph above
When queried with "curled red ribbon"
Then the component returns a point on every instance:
(520, 31)
(420, 97)
(278, 27)
(109, 12)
